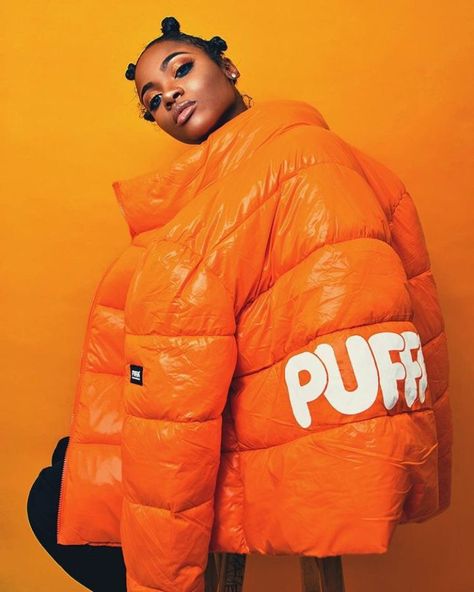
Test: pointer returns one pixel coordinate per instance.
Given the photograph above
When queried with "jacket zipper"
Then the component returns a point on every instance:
(61, 494)
(73, 416)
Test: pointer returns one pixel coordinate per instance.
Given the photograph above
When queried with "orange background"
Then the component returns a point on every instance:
(391, 78)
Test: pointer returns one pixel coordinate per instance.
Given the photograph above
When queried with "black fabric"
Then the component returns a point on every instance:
(98, 568)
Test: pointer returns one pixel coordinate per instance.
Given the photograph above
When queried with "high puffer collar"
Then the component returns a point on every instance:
(151, 199)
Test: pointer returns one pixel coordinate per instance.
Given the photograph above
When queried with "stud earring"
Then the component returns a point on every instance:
(234, 75)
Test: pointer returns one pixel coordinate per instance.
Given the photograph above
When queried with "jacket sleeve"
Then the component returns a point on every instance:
(180, 353)
(408, 240)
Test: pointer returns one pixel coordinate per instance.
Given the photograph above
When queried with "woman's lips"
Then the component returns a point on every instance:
(186, 113)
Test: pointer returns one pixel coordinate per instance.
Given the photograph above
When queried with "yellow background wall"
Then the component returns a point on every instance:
(393, 78)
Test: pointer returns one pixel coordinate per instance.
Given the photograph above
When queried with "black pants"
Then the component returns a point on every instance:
(98, 568)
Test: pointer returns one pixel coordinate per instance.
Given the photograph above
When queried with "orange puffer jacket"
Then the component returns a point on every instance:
(265, 367)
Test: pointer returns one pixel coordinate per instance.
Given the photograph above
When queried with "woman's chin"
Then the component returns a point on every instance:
(195, 132)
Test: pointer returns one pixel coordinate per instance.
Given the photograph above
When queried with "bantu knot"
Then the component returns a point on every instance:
(130, 72)
(169, 25)
(218, 43)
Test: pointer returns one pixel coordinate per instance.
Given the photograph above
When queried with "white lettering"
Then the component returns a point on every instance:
(373, 366)
(301, 395)
(362, 397)
(389, 372)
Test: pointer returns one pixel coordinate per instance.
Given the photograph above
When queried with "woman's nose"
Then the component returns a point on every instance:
(171, 96)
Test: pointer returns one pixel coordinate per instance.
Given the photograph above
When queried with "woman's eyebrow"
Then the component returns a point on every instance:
(163, 66)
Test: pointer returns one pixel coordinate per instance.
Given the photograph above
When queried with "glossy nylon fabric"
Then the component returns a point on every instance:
(278, 296)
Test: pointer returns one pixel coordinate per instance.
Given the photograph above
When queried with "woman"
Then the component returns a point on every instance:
(265, 367)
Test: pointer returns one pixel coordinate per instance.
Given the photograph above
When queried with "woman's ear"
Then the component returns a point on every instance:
(230, 70)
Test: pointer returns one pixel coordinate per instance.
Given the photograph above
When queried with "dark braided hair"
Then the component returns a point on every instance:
(170, 29)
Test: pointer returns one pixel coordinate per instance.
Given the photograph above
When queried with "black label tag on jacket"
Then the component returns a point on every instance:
(136, 374)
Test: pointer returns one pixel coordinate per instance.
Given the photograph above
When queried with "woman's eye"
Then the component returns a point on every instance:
(154, 104)
(180, 69)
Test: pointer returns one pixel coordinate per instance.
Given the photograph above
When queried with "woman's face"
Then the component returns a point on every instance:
(170, 73)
